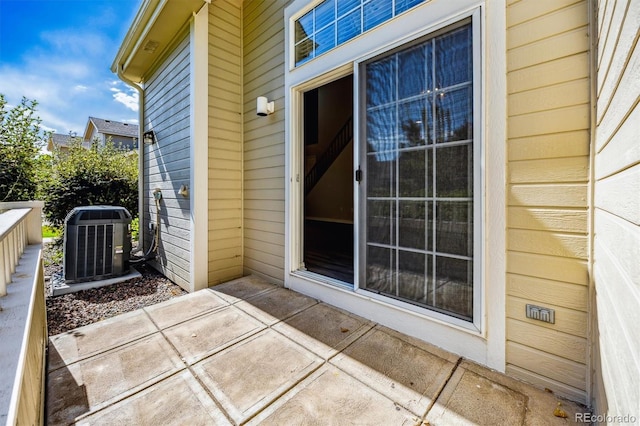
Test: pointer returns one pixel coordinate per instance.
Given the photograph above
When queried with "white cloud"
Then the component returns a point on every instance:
(129, 100)
(68, 75)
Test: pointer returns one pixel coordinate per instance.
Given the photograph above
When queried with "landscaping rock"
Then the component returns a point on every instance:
(75, 310)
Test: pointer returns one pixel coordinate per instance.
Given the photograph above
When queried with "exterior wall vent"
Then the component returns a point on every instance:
(97, 243)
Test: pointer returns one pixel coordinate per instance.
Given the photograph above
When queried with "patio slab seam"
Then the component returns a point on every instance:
(190, 360)
(150, 378)
(193, 366)
(150, 310)
(53, 340)
(206, 389)
(131, 393)
(297, 342)
(327, 363)
(127, 395)
(95, 354)
(234, 299)
(275, 327)
(440, 389)
(310, 363)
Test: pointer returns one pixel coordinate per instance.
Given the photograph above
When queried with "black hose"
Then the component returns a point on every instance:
(156, 236)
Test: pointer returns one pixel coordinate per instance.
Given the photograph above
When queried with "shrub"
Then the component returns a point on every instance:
(135, 228)
(51, 231)
(101, 175)
(20, 141)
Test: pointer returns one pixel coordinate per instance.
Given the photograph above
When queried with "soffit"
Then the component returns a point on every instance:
(155, 26)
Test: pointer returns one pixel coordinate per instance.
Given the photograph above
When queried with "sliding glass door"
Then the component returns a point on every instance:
(417, 195)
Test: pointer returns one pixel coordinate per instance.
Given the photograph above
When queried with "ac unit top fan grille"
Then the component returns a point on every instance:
(100, 213)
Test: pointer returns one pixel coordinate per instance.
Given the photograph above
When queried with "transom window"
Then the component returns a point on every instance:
(419, 173)
(334, 22)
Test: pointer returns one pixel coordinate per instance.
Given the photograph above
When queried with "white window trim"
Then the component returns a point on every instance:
(486, 345)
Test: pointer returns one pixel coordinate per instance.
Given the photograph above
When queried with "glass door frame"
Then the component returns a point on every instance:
(297, 178)
(297, 215)
(346, 60)
(484, 342)
(478, 183)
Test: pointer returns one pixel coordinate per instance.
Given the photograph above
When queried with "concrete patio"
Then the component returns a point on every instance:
(250, 352)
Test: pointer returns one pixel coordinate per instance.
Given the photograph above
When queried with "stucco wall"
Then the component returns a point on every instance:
(547, 197)
(166, 163)
(225, 141)
(616, 176)
(264, 159)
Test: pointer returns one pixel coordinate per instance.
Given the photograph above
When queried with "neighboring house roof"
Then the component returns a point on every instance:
(62, 141)
(110, 127)
(101, 125)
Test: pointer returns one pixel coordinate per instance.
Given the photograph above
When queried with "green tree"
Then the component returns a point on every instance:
(100, 175)
(42, 165)
(20, 141)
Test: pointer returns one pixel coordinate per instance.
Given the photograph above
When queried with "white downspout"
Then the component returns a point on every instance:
(141, 191)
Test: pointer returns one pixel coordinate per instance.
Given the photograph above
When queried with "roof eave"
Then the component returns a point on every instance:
(156, 23)
(87, 133)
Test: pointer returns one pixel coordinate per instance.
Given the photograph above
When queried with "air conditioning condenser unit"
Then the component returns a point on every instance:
(97, 243)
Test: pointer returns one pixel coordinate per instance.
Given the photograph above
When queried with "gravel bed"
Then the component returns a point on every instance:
(85, 307)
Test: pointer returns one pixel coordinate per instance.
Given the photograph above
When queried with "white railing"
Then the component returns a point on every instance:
(23, 320)
(13, 239)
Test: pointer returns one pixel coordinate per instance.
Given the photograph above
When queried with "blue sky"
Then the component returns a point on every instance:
(60, 53)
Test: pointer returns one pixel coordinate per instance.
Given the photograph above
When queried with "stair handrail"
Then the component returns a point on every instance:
(336, 146)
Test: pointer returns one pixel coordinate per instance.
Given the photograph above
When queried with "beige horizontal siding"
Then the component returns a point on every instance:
(618, 68)
(520, 12)
(617, 210)
(569, 295)
(547, 195)
(550, 73)
(263, 156)
(225, 141)
(554, 145)
(552, 48)
(548, 365)
(624, 151)
(557, 120)
(565, 94)
(544, 22)
(548, 170)
(564, 169)
(548, 219)
(556, 268)
(548, 243)
(569, 321)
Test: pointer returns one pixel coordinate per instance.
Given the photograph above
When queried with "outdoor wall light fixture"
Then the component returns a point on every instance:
(149, 137)
(265, 107)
